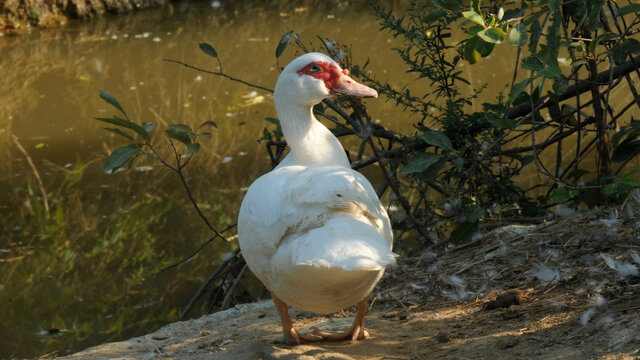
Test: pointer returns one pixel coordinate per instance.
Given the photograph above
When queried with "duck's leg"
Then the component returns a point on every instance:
(356, 332)
(291, 336)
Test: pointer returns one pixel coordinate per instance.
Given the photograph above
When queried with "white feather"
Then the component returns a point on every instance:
(624, 269)
(586, 316)
(545, 273)
(313, 230)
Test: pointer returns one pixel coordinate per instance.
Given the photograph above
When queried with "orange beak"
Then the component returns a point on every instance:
(348, 86)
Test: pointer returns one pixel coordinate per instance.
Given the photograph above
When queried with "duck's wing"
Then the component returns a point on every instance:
(293, 201)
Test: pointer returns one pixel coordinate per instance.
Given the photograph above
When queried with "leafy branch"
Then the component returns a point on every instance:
(127, 154)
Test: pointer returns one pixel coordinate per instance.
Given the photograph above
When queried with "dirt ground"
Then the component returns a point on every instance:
(568, 288)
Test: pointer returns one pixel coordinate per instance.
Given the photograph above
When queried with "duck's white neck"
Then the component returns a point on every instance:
(310, 142)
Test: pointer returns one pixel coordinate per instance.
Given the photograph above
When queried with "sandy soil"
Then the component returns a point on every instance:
(565, 289)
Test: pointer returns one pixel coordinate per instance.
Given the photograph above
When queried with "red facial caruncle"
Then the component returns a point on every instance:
(329, 73)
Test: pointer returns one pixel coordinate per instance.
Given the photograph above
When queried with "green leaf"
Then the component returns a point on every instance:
(284, 41)
(318, 108)
(561, 195)
(278, 130)
(149, 127)
(111, 100)
(193, 147)
(500, 13)
(594, 7)
(501, 122)
(459, 163)
(624, 48)
(473, 213)
(536, 30)
(266, 136)
(59, 215)
(120, 132)
(626, 150)
(492, 21)
(420, 163)
(208, 123)
(208, 49)
(560, 85)
(512, 14)
(437, 138)
(601, 39)
(474, 30)
(463, 232)
(551, 72)
(629, 182)
(471, 53)
(492, 35)
(518, 88)
(484, 47)
(553, 39)
(518, 35)
(532, 63)
(475, 48)
(181, 133)
(619, 135)
(434, 15)
(610, 189)
(526, 160)
(128, 124)
(629, 9)
(577, 174)
(120, 156)
(473, 16)
(475, 5)
(273, 120)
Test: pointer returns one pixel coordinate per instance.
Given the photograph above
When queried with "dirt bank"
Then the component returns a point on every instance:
(565, 289)
(18, 15)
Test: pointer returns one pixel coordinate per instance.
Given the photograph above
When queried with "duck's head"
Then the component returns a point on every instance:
(310, 78)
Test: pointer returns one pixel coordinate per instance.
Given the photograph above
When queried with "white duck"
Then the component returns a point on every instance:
(313, 230)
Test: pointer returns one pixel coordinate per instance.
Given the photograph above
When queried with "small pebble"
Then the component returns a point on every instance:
(513, 297)
(507, 343)
(442, 337)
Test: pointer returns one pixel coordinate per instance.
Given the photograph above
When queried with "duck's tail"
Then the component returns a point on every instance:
(343, 243)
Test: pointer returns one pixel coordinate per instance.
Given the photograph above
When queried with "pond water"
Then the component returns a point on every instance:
(76, 263)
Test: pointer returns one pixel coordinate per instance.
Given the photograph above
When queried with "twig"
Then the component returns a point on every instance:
(229, 292)
(185, 259)
(579, 88)
(204, 286)
(393, 183)
(219, 74)
(45, 199)
(195, 252)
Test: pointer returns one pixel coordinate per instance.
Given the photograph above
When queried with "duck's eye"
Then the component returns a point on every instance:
(314, 68)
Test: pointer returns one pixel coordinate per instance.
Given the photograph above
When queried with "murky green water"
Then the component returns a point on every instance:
(78, 274)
